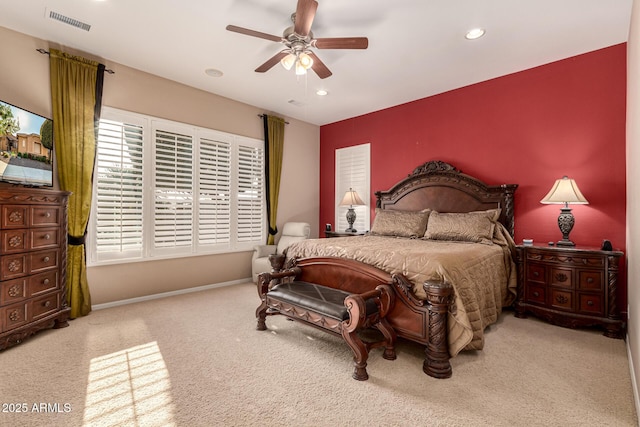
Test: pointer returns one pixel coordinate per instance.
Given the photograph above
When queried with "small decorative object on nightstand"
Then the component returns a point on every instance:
(571, 287)
(343, 233)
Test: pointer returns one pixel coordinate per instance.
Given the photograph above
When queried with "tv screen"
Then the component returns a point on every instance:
(26, 147)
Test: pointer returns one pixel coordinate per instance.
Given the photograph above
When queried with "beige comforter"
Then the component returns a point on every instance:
(483, 275)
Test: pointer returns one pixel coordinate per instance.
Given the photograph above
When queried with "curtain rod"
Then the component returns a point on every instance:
(262, 115)
(46, 52)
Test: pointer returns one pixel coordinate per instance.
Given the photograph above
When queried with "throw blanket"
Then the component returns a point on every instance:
(483, 276)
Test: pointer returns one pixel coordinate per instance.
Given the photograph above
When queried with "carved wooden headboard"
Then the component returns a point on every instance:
(440, 186)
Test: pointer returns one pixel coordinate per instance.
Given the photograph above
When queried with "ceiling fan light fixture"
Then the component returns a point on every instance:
(288, 61)
(305, 60)
(300, 70)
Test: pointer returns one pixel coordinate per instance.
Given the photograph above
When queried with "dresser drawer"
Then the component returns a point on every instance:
(591, 304)
(44, 305)
(45, 216)
(536, 294)
(561, 299)
(43, 282)
(536, 273)
(43, 238)
(14, 315)
(14, 216)
(13, 291)
(13, 241)
(590, 280)
(561, 277)
(13, 266)
(43, 260)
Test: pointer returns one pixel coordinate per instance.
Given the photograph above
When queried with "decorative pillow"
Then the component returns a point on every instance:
(469, 227)
(400, 223)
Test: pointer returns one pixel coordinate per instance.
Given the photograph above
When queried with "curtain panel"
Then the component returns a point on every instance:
(274, 147)
(76, 95)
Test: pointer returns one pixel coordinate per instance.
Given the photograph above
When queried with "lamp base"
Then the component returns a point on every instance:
(565, 243)
(351, 218)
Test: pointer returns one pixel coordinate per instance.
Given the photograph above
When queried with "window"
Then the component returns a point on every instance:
(353, 171)
(167, 189)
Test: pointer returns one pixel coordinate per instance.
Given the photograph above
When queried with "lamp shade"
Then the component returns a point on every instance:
(351, 198)
(565, 191)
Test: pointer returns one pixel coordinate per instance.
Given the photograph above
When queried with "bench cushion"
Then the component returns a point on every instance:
(320, 299)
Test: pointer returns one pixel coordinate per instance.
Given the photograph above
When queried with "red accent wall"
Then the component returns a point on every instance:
(528, 128)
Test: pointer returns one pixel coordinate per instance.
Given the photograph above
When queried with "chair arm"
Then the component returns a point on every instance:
(263, 251)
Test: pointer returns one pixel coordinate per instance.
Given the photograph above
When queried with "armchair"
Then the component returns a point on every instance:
(291, 232)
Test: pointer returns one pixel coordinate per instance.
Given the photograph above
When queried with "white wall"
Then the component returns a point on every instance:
(24, 81)
(633, 196)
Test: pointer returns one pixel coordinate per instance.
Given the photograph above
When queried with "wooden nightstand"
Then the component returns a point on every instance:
(329, 234)
(571, 287)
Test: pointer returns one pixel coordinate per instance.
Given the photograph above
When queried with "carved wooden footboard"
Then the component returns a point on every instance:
(422, 321)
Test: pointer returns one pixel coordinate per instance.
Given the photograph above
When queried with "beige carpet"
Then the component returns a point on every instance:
(197, 360)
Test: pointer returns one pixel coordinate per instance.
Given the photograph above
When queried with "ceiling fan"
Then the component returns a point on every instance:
(299, 40)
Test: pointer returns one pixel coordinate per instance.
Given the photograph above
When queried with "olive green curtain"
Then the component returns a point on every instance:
(76, 92)
(274, 145)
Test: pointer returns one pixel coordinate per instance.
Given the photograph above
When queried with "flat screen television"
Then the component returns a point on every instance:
(26, 147)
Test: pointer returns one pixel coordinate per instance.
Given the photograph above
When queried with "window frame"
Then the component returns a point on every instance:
(196, 248)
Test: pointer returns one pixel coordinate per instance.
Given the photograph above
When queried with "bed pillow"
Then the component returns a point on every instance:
(400, 223)
(475, 226)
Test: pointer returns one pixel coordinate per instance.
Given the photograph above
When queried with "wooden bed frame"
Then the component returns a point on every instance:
(439, 186)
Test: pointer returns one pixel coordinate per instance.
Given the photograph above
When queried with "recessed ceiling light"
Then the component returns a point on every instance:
(321, 92)
(475, 33)
(213, 72)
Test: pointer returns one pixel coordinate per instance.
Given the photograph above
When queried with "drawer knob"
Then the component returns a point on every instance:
(45, 282)
(590, 303)
(47, 215)
(590, 280)
(536, 294)
(46, 259)
(536, 273)
(47, 236)
(47, 304)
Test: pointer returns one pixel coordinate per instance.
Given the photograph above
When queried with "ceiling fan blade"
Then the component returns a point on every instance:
(272, 61)
(305, 12)
(253, 33)
(318, 66)
(341, 43)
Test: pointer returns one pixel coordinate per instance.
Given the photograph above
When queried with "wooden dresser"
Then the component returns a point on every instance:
(570, 286)
(33, 257)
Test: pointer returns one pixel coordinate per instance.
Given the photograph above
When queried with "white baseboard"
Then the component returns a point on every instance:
(169, 294)
(634, 384)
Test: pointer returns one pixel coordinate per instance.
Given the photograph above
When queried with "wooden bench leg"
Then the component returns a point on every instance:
(360, 354)
(390, 339)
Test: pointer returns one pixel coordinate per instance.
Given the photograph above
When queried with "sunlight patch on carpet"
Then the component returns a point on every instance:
(129, 387)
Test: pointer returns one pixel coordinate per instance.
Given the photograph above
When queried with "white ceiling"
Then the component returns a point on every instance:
(416, 47)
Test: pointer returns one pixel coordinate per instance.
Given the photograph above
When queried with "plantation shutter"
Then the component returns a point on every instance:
(173, 190)
(250, 193)
(214, 179)
(353, 171)
(118, 215)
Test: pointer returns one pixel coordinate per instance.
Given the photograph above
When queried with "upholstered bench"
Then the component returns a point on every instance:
(330, 309)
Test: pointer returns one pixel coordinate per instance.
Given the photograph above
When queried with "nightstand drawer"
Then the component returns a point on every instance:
(560, 299)
(536, 273)
(561, 277)
(591, 304)
(536, 294)
(590, 280)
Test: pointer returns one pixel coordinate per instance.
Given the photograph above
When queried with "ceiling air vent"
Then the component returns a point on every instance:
(69, 21)
(296, 103)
